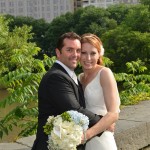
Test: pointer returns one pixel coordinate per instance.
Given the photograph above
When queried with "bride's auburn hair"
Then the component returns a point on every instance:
(96, 42)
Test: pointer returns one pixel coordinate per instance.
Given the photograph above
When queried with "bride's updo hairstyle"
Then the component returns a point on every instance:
(96, 42)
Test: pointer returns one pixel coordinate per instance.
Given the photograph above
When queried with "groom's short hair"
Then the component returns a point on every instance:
(68, 35)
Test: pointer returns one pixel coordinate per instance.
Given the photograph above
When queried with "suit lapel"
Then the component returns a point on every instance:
(81, 94)
(59, 67)
(77, 88)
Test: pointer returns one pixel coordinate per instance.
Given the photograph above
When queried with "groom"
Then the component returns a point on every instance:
(59, 90)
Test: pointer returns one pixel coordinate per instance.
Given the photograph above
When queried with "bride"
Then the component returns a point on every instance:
(101, 93)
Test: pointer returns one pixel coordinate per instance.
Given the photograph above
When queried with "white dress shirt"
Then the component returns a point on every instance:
(69, 71)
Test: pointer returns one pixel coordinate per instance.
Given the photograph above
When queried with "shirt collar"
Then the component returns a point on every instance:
(69, 71)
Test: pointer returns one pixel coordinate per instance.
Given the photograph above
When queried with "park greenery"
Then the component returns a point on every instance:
(27, 52)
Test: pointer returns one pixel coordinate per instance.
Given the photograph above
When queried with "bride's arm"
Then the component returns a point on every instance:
(112, 102)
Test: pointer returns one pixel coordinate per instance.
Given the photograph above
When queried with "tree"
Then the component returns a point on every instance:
(95, 20)
(123, 45)
(138, 19)
(39, 28)
(119, 12)
(146, 2)
(20, 74)
(135, 84)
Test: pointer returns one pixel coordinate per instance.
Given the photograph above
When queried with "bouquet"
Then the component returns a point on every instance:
(65, 130)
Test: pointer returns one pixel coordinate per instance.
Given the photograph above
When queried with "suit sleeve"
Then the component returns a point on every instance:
(63, 97)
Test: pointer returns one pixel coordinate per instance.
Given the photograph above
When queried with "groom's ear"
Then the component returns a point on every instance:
(57, 52)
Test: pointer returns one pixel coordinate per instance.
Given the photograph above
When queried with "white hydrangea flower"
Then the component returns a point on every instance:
(66, 135)
(50, 118)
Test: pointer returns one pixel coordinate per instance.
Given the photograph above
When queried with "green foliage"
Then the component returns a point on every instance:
(137, 66)
(3, 31)
(14, 47)
(39, 27)
(23, 85)
(95, 20)
(123, 45)
(20, 74)
(133, 85)
(136, 94)
(138, 19)
(145, 2)
(48, 127)
(107, 62)
(66, 117)
(119, 12)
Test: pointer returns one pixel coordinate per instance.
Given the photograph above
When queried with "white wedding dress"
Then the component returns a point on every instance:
(95, 103)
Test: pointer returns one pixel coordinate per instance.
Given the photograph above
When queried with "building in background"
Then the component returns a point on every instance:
(129, 1)
(49, 9)
(101, 3)
(97, 3)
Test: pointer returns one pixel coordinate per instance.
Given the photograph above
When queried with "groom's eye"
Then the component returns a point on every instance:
(69, 49)
(78, 50)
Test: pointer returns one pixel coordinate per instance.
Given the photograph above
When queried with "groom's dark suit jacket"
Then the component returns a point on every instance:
(58, 93)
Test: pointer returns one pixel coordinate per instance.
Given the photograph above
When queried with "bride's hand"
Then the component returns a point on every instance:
(112, 127)
(83, 138)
